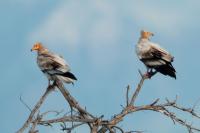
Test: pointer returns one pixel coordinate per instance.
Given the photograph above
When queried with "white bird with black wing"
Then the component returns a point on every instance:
(53, 65)
(154, 57)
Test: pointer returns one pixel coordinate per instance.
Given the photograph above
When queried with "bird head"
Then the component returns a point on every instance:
(37, 46)
(146, 34)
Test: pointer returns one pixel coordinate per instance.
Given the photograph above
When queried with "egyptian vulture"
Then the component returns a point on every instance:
(154, 57)
(53, 65)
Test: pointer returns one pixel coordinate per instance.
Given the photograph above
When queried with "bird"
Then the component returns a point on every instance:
(53, 65)
(155, 58)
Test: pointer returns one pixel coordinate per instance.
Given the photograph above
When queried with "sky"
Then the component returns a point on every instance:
(98, 38)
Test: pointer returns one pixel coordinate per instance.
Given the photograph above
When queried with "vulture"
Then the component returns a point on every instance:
(53, 65)
(155, 58)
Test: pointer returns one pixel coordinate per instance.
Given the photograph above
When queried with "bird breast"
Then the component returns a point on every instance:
(142, 49)
(42, 62)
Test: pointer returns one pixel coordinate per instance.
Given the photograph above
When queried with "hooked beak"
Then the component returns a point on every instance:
(33, 49)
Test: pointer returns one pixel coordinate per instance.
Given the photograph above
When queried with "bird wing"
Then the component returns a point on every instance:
(52, 63)
(153, 55)
(158, 52)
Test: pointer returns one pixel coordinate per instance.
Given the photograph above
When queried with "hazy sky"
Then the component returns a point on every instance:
(97, 38)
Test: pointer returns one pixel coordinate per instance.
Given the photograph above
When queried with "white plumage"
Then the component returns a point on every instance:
(53, 65)
(154, 56)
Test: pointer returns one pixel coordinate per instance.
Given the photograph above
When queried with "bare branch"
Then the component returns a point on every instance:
(23, 102)
(66, 119)
(127, 97)
(34, 124)
(80, 116)
(72, 102)
(144, 76)
(36, 108)
(155, 102)
(162, 108)
(69, 129)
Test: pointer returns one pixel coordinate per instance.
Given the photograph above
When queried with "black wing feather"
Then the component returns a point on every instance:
(69, 75)
(166, 68)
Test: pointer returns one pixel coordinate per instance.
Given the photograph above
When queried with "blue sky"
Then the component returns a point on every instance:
(97, 38)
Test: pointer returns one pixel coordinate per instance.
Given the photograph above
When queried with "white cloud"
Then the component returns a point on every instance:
(93, 25)
(98, 25)
(67, 21)
(102, 21)
(155, 17)
(59, 26)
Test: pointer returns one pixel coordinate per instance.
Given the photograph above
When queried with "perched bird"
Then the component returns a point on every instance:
(53, 65)
(154, 57)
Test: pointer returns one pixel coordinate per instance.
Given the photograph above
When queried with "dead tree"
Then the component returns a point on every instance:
(80, 116)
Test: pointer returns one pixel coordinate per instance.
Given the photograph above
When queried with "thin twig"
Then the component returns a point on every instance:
(23, 102)
(80, 116)
(66, 119)
(127, 95)
(72, 101)
(139, 87)
(36, 108)
(34, 124)
(69, 129)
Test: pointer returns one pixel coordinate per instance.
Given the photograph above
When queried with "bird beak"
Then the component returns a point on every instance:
(152, 34)
(33, 49)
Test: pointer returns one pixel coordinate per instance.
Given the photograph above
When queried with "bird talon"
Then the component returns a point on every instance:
(148, 75)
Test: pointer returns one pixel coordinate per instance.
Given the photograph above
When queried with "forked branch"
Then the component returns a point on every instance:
(80, 116)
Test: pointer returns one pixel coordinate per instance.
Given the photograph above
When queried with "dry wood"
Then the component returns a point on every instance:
(80, 116)
(36, 108)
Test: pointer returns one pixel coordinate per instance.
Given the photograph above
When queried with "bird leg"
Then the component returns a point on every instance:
(49, 82)
(153, 73)
(147, 74)
(150, 73)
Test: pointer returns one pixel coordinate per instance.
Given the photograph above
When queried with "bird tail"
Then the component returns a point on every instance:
(67, 77)
(167, 70)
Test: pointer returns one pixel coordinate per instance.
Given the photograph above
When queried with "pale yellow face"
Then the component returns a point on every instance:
(146, 34)
(37, 46)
